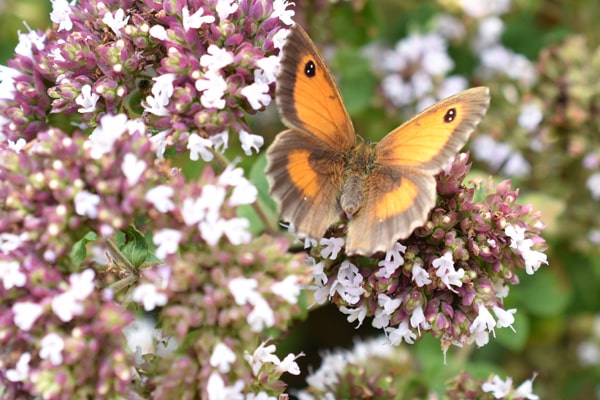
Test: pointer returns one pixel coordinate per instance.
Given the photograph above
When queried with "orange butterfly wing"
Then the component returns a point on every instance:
(306, 178)
(401, 190)
(305, 163)
(307, 96)
(433, 137)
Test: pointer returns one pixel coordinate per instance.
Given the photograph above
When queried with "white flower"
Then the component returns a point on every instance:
(116, 22)
(331, 247)
(257, 93)
(244, 193)
(354, 314)
(484, 8)
(225, 8)
(27, 41)
(102, 139)
(10, 274)
(192, 211)
(18, 145)
(392, 261)
(533, 260)
(216, 58)
(159, 142)
(25, 314)
(525, 390)
(82, 284)
(132, 168)
(213, 87)
(66, 306)
(196, 20)
(162, 90)
(531, 116)
(217, 390)
(288, 289)
(489, 150)
(499, 388)
(243, 289)
(160, 198)
(21, 370)
(262, 354)
(420, 275)
(250, 141)
(236, 230)
(86, 204)
(516, 166)
(289, 365)
(199, 146)
(348, 283)
(222, 357)
(261, 396)
(167, 242)
(10, 242)
(220, 140)
(7, 82)
(505, 317)
(61, 14)
(270, 67)
(52, 346)
(212, 229)
(417, 319)
(403, 332)
(280, 11)
(446, 272)
(261, 316)
(87, 100)
(147, 295)
(386, 308)
(279, 39)
(451, 85)
(489, 33)
(593, 184)
(158, 32)
(483, 323)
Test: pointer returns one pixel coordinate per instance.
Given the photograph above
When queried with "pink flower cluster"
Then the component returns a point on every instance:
(449, 276)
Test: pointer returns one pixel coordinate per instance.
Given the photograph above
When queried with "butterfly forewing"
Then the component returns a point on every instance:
(433, 137)
(307, 96)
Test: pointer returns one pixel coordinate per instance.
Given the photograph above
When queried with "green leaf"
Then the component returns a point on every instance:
(542, 294)
(264, 200)
(135, 248)
(357, 82)
(78, 251)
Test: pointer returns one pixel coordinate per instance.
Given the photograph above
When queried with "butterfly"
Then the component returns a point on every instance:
(321, 172)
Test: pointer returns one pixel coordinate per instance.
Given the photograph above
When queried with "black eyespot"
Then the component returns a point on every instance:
(310, 69)
(450, 115)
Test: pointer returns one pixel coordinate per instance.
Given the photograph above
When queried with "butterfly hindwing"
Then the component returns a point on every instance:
(397, 200)
(306, 179)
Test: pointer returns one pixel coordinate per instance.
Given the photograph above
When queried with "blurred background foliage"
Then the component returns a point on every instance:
(558, 320)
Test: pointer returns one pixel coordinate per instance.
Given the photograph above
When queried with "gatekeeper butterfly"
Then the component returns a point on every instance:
(320, 171)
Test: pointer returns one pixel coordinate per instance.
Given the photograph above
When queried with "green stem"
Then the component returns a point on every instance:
(120, 257)
(122, 283)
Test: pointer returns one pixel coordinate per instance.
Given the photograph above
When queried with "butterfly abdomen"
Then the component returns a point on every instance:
(358, 164)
